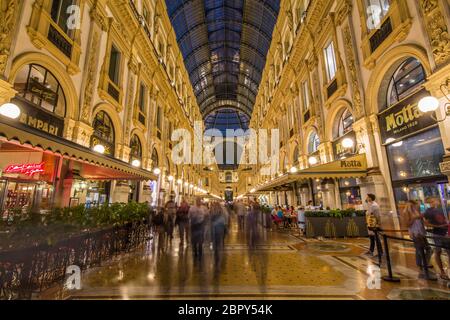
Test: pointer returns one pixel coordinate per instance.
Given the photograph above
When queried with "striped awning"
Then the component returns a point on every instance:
(353, 167)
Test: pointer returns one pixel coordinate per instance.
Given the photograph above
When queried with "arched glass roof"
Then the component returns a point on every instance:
(224, 119)
(224, 45)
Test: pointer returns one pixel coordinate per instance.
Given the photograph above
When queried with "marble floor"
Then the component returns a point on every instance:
(279, 265)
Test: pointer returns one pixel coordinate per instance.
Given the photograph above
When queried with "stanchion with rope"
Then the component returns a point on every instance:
(390, 277)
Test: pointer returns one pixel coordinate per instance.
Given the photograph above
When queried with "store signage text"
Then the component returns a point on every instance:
(39, 124)
(351, 164)
(339, 150)
(404, 118)
(39, 119)
(27, 169)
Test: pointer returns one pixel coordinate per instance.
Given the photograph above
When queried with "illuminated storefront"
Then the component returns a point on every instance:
(412, 139)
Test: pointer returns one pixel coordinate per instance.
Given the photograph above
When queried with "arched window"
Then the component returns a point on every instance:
(345, 124)
(39, 86)
(296, 156)
(313, 143)
(155, 158)
(136, 148)
(103, 132)
(405, 80)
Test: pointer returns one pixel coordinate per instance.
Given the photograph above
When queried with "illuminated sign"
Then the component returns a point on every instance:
(38, 118)
(405, 118)
(26, 169)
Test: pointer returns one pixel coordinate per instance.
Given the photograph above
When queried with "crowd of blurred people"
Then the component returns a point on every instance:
(198, 224)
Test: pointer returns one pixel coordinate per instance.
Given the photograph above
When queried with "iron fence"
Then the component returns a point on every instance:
(24, 272)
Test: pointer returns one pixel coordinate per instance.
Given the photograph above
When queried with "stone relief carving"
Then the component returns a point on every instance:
(437, 30)
(352, 68)
(7, 22)
(91, 78)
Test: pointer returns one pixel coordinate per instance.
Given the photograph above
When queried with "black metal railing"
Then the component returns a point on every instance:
(390, 277)
(59, 41)
(378, 38)
(113, 92)
(24, 272)
(332, 88)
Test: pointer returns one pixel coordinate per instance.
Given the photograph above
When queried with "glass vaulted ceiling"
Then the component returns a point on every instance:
(224, 44)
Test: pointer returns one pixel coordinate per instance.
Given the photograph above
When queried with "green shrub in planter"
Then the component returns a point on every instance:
(337, 213)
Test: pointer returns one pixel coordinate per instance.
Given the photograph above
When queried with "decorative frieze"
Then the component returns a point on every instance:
(437, 30)
(352, 65)
(8, 13)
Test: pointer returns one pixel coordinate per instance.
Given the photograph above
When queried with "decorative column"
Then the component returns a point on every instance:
(82, 129)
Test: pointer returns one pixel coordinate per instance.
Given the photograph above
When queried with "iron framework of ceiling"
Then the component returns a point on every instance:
(224, 45)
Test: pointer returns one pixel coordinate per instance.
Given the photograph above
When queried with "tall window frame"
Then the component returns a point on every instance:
(60, 16)
(115, 57)
(313, 143)
(330, 61)
(345, 123)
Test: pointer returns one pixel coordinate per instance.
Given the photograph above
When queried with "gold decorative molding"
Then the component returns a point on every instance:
(91, 77)
(437, 30)
(7, 91)
(38, 30)
(352, 66)
(8, 14)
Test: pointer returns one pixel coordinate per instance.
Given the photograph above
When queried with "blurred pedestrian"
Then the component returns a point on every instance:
(197, 219)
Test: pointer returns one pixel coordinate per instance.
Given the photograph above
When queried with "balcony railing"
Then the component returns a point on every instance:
(332, 88)
(113, 92)
(377, 39)
(60, 41)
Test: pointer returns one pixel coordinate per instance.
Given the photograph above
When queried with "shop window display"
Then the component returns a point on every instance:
(416, 157)
(39, 87)
(103, 132)
(350, 194)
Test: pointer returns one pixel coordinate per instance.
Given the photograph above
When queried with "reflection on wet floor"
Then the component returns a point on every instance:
(255, 263)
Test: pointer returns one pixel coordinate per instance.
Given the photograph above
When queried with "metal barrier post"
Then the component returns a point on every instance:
(377, 241)
(390, 276)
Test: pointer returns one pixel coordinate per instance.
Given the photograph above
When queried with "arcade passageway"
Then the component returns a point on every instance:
(279, 265)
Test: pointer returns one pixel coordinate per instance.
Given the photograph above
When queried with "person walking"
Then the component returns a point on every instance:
(240, 211)
(218, 228)
(251, 225)
(417, 233)
(182, 221)
(435, 218)
(301, 220)
(197, 220)
(159, 228)
(373, 224)
(170, 213)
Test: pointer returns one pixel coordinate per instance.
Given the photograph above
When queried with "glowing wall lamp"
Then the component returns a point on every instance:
(99, 148)
(10, 110)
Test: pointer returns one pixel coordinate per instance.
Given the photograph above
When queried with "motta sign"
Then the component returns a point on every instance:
(404, 118)
(29, 169)
(351, 164)
(339, 150)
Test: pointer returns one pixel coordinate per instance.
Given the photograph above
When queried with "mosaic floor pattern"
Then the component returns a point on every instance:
(277, 266)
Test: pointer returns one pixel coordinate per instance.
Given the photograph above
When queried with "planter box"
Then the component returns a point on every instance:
(336, 228)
